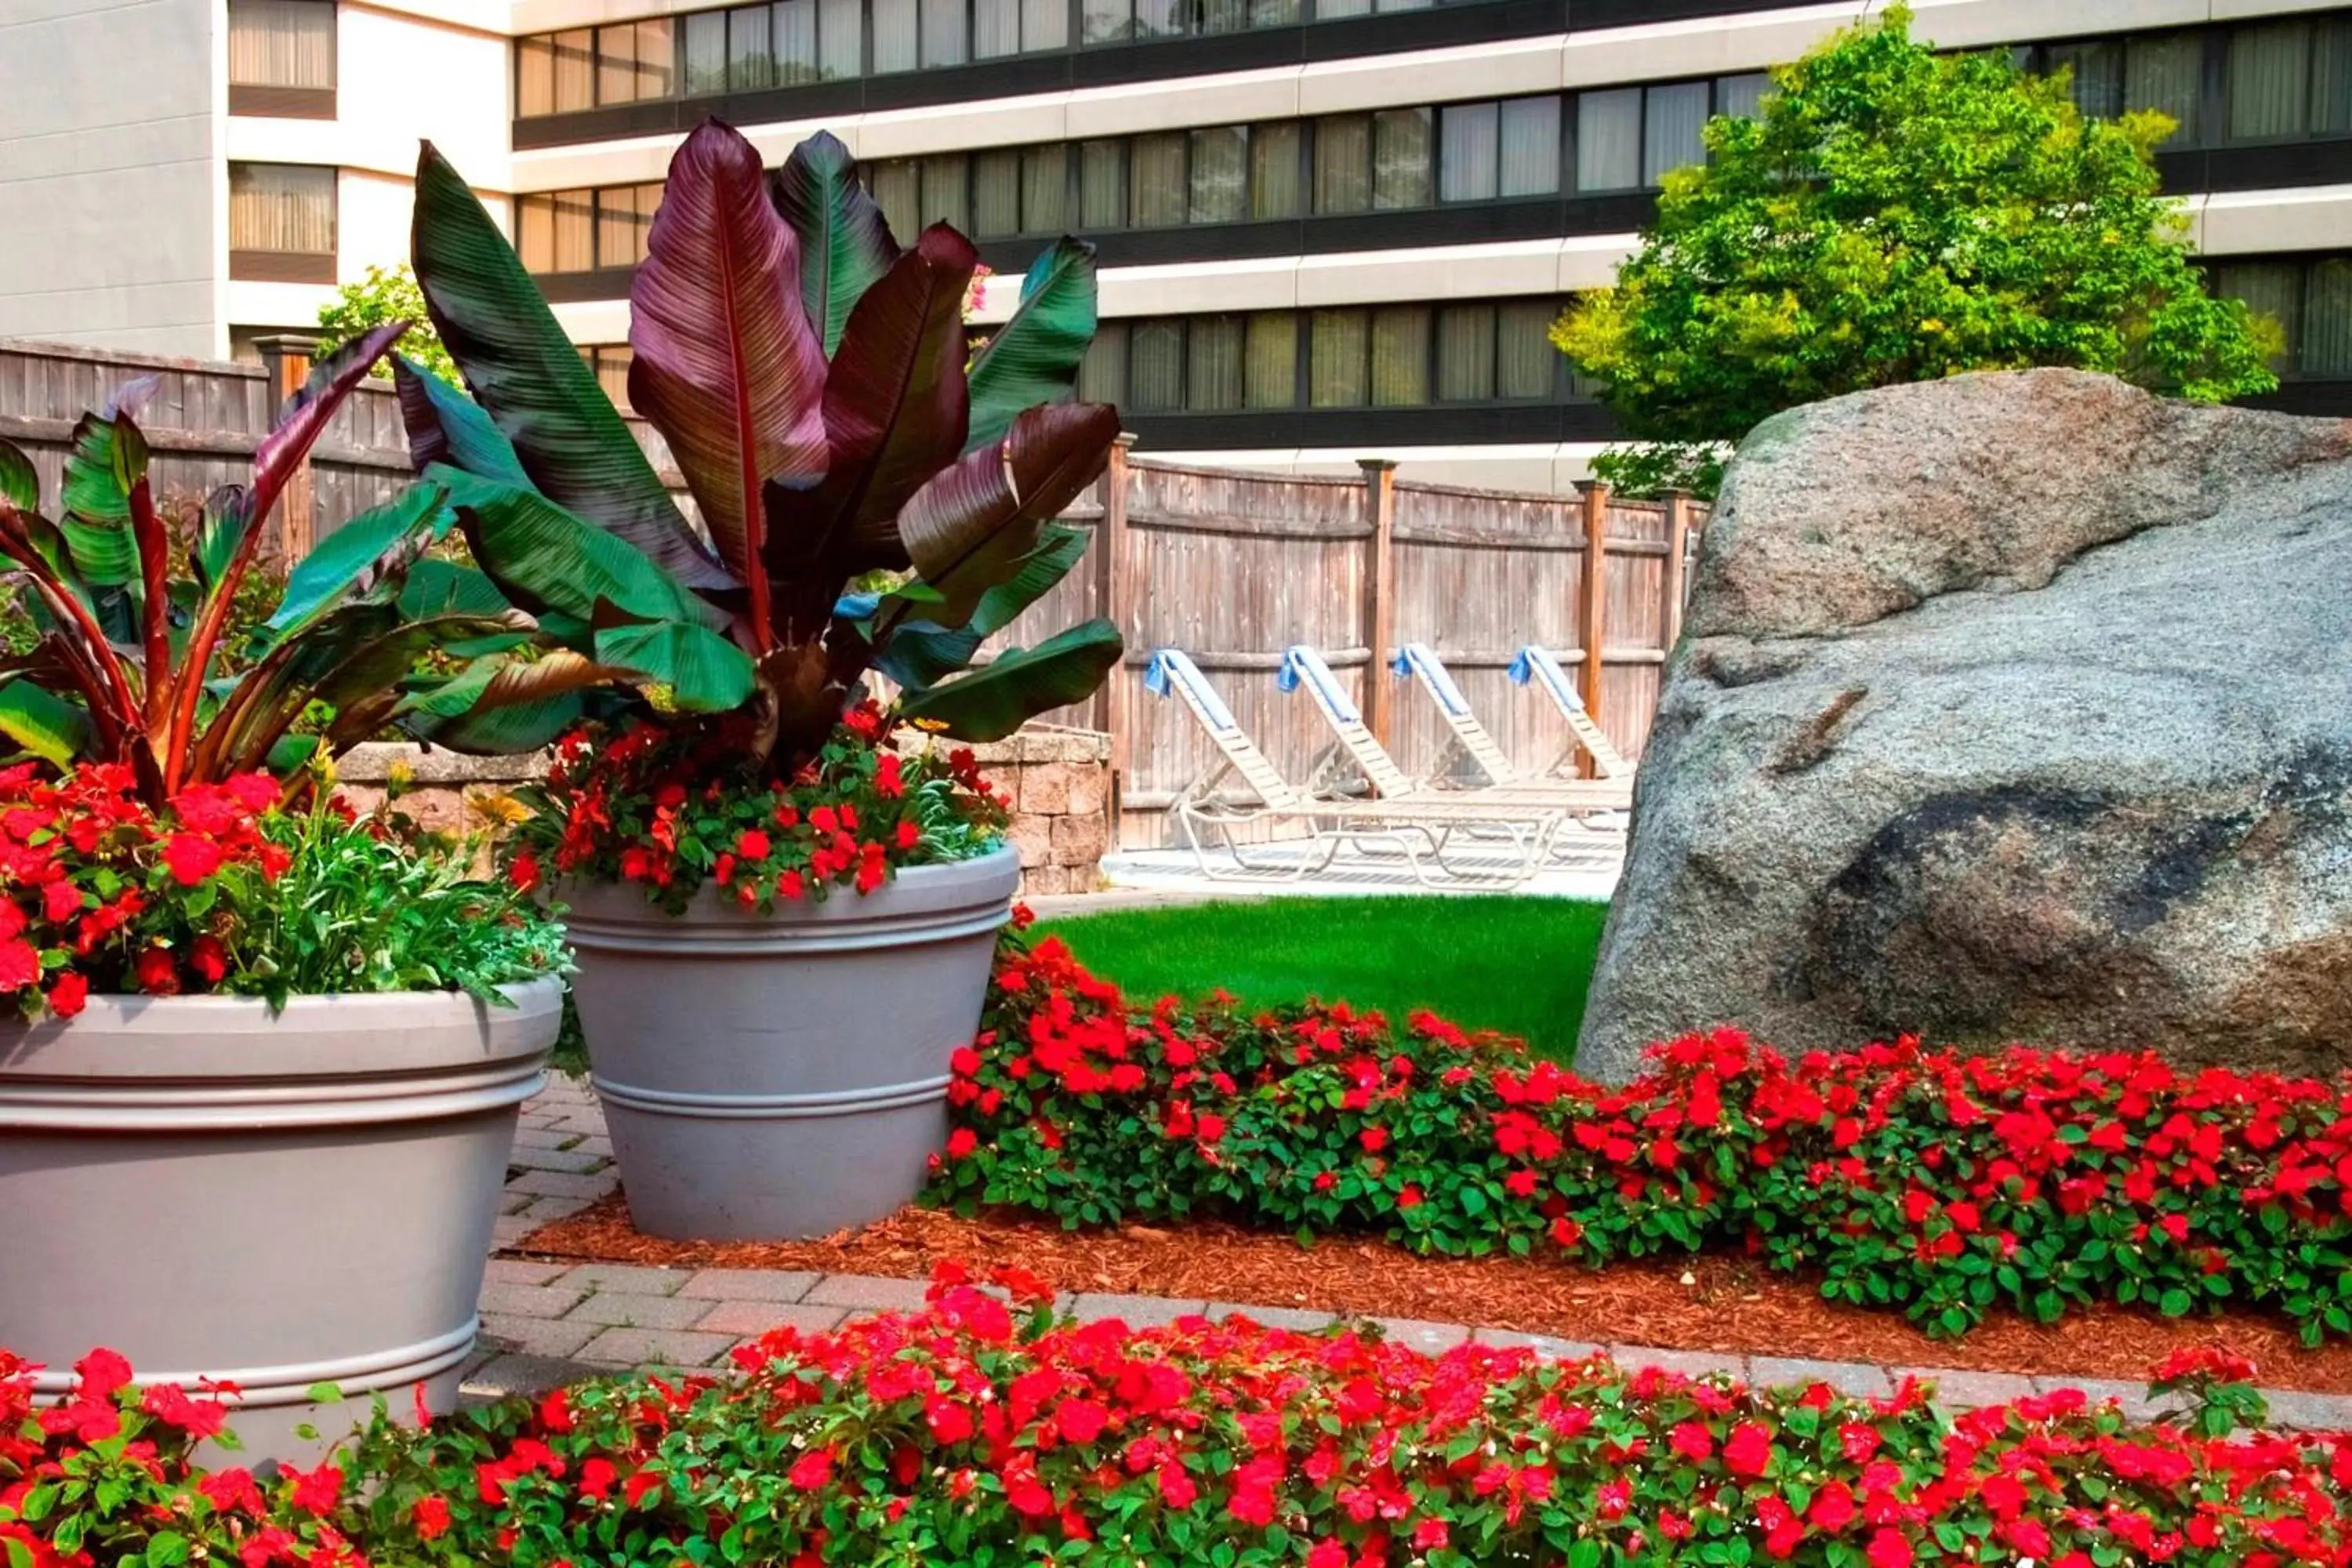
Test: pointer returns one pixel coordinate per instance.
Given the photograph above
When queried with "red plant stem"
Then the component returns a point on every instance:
(154, 569)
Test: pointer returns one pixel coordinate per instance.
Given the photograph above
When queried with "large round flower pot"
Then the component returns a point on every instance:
(782, 1075)
(275, 1200)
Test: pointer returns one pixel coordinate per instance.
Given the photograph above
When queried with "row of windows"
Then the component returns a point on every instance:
(2251, 82)
(747, 48)
(1386, 356)
(1388, 160)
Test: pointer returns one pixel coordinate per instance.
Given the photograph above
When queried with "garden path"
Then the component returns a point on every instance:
(547, 1322)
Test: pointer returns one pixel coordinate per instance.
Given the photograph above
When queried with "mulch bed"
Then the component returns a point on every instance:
(1712, 1304)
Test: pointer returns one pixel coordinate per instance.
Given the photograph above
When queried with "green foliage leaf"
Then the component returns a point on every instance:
(445, 425)
(990, 704)
(542, 556)
(44, 724)
(20, 483)
(1035, 357)
(845, 242)
(367, 557)
(921, 653)
(705, 672)
(532, 382)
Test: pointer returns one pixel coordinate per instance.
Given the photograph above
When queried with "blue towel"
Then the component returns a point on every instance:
(1299, 663)
(1416, 655)
(1169, 667)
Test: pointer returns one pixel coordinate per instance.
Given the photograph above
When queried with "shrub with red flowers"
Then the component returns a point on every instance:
(1936, 1183)
(673, 806)
(981, 1432)
(107, 1480)
(225, 890)
(976, 1433)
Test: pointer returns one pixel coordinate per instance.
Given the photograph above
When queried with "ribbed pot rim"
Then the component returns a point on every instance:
(186, 1064)
(920, 904)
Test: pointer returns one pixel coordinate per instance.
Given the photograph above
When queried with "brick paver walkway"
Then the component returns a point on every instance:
(548, 1322)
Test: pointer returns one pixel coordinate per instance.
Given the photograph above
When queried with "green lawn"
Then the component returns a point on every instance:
(1517, 964)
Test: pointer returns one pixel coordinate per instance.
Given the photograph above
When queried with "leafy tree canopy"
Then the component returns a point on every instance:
(387, 295)
(1897, 215)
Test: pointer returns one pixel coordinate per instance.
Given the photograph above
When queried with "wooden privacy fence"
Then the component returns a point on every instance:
(1230, 567)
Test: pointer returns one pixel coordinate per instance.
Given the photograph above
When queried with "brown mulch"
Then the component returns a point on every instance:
(1712, 1303)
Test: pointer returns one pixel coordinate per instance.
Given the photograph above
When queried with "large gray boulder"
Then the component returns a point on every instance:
(2011, 706)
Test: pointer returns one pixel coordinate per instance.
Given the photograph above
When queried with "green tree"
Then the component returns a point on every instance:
(387, 295)
(1897, 215)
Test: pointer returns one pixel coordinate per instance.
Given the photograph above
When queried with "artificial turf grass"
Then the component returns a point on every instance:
(1518, 964)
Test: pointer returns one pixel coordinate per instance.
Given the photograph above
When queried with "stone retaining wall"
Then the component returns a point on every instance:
(1059, 781)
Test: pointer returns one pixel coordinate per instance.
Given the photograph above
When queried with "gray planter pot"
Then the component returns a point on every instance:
(780, 1075)
(279, 1200)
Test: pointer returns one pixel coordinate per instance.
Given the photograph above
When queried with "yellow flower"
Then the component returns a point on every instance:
(500, 810)
(930, 726)
(1932, 324)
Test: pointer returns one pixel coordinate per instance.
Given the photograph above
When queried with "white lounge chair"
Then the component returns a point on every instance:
(1535, 663)
(1420, 831)
(1417, 661)
(1303, 667)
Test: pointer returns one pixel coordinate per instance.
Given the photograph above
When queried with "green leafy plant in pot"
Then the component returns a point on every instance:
(227, 987)
(773, 1061)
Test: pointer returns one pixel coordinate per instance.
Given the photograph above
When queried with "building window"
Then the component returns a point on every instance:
(585, 230)
(1487, 150)
(281, 58)
(2310, 298)
(281, 223)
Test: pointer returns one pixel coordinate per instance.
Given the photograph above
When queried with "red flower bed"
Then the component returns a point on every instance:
(671, 807)
(965, 1435)
(1938, 1184)
(103, 893)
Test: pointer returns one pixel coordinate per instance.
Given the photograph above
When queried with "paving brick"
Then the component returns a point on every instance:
(749, 1319)
(1428, 1338)
(1966, 1390)
(515, 1203)
(650, 1347)
(511, 1230)
(629, 1277)
(541, 1138)
(547, 1210)
(1544, 1345)
(2309, 1411)
(638, 1309)
(596, 1144)
(512, 1374)
(538, 1336)
(562, 1184)
(522, 1271)
(567, 1160)
(1299, 1318)
(1688, 1363)
(548, 1301)
(748, 1284)
(867, 1293)
(1859, 1379)
(1136, 1311)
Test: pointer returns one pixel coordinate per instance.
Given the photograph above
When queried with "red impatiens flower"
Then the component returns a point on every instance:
(70, 994)
(431, 1517)
(208, 958)
(753, 845)
(60, 901)
(1749, 1450)
(523, 871)
(319, 1491)
(20, 964)
(156, 973)
(191, 857)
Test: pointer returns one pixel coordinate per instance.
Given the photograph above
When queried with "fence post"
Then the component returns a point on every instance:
(1379, 590)
(1115, 602)
(287, 358)
(1677, 555)
(1594, 611)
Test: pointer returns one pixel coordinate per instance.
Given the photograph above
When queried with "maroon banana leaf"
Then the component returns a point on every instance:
(970, 527)
(724, 361)
(275, 461)
(895, 411)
